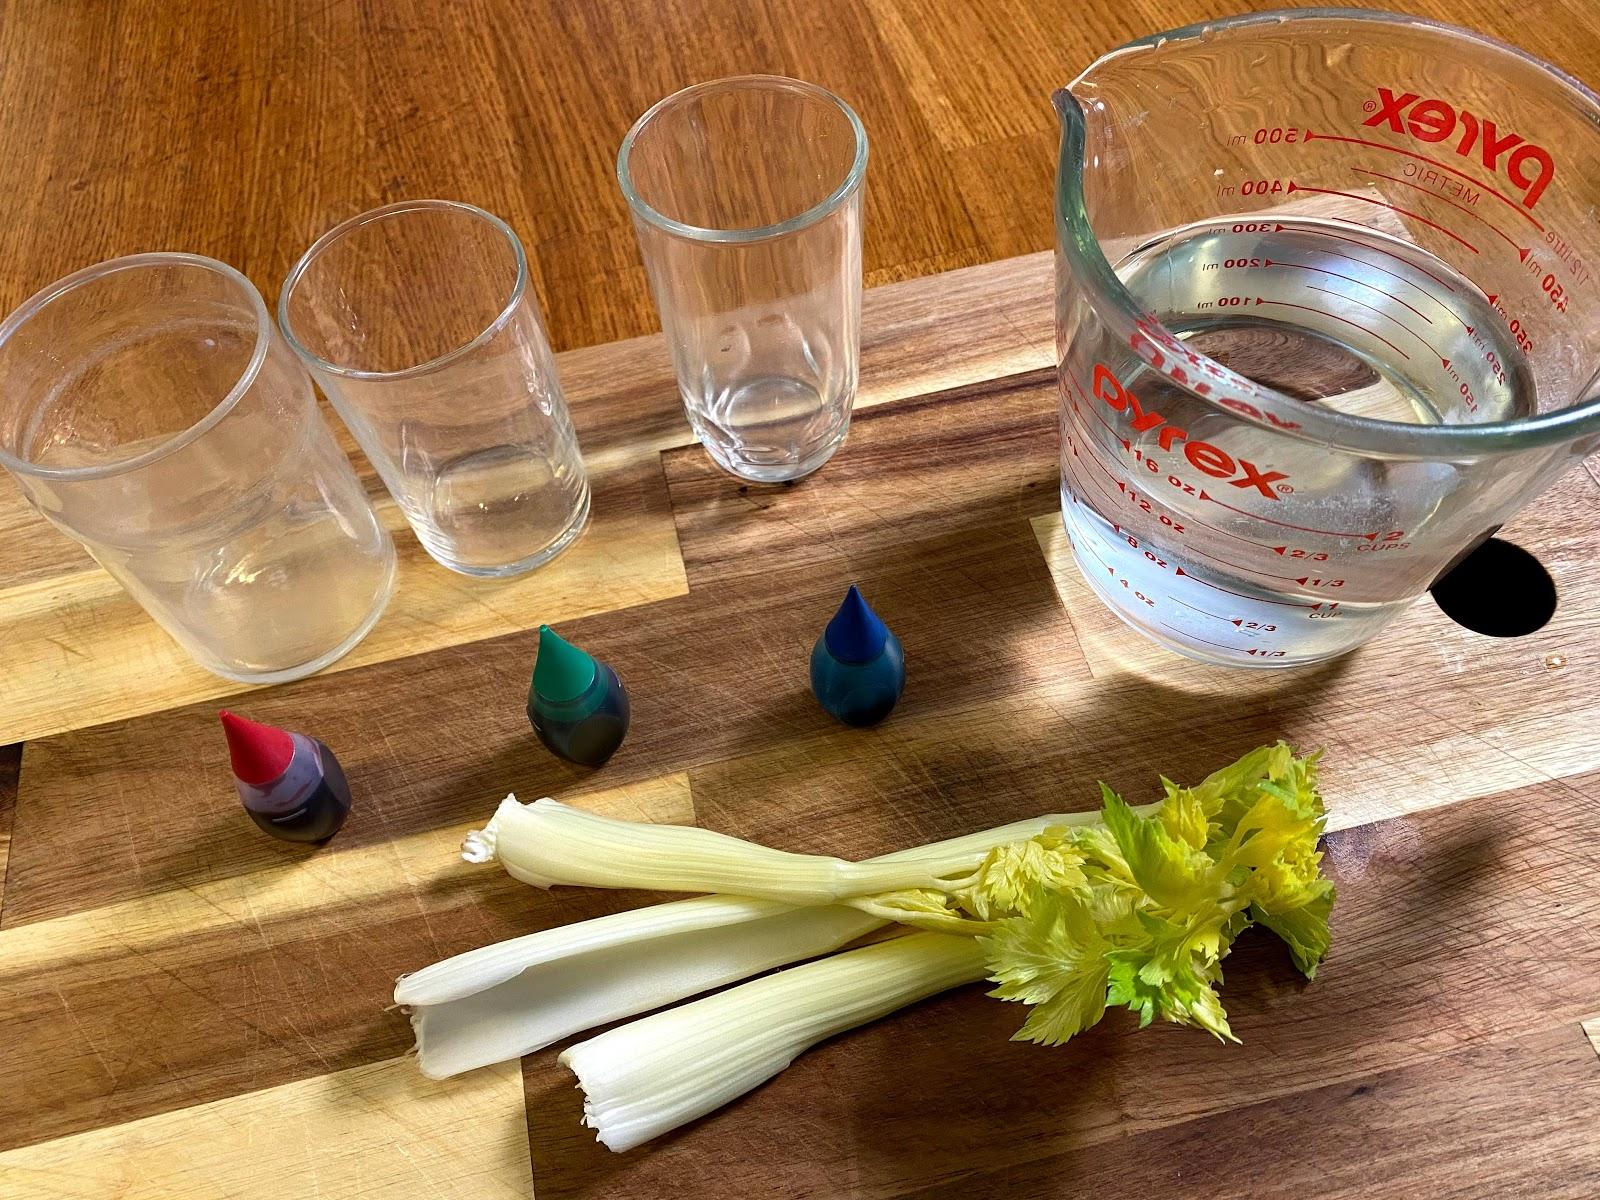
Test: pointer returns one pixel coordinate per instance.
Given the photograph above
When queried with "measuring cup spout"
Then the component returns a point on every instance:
(1065, 104)
(1074, 122)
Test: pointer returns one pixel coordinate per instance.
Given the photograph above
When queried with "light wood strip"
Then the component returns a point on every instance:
(374, 1132)
(80, 652)
(1591, 1029)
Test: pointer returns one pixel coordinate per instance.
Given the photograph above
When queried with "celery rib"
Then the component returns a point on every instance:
(652, 1075)
(547, 843)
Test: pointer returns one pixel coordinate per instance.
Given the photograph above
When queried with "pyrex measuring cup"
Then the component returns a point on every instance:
(1325, 311)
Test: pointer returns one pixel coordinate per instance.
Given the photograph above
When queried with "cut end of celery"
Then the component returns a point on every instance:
(610, 1139)
(479, 844)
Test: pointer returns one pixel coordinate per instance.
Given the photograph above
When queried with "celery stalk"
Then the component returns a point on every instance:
(652, 1075)
(634, 962)
(547, 843)
(512, 998)
(1068, 915)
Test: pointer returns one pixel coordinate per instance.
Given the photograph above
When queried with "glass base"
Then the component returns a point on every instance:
(766, 472)
(380, 602)
(567, 536)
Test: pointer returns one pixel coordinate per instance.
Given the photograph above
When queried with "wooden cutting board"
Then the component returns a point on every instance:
(188, 1008)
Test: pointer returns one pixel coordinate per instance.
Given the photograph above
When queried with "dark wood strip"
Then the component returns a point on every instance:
(1456, 932)
(971, 456)
(1510, 1119)
(10, 765)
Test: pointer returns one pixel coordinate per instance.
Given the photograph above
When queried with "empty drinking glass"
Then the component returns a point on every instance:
(417, 322)
(151, 411)
(746, 196)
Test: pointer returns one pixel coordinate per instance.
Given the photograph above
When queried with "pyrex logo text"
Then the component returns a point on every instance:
(1203, 456)
(1529, 167)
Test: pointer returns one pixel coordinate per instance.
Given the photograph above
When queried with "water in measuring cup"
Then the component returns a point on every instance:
(1333, 315)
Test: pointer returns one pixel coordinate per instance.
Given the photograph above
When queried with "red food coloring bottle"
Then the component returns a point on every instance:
(290, 784)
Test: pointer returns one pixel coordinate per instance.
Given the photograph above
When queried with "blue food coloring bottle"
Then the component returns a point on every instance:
(858, 668)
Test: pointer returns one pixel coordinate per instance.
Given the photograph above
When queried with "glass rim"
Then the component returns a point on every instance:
(1079, 247)
(802, 220)
(48, 294)
(318, 364)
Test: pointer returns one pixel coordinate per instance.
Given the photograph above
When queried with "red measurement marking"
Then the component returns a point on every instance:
(1311, 287)
(1322, 312)
(1301, 552)
(1192, 608)
(1205, 495)
(1442, 359)
(1187, 518)
(1498, 195)
(1095, 556)
(1194, 637)
(1244, 595)
(1444, 283)
(1094, 411)
(1522, 251)
(1095, 458)
(1361, 283)
(1237, 566)
(1300, 187)
(1225, 533)
(1100, 487)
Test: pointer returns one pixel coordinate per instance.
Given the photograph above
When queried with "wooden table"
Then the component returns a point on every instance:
(190, 1009)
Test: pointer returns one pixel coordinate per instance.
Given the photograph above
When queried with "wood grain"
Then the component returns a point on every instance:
(82, 652)
(244, 132)
(1452, 1128)
(439, 738)
(55, 615)
(10, 766)
(1021, 697)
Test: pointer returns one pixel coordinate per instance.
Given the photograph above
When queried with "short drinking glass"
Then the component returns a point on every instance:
(746, 196)
(150, 410)
(417, 322)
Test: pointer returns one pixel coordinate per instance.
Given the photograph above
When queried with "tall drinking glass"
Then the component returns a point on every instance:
(746, 196)
(149, 409)
(417, 322)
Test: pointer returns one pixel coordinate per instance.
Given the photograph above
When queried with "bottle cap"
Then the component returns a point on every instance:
(561, 672)
(856, 634)
(260, 753)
